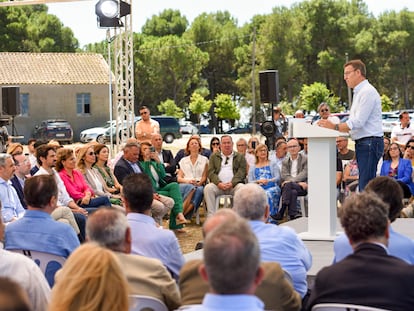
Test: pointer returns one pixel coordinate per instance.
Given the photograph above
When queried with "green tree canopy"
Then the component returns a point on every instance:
(169, 108)
(31, 29)
(199, 105)
(316, 93)
(167, 67)
(226, 108)
(168, 22)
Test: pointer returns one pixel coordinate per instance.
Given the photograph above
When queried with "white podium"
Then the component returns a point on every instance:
(322, 214)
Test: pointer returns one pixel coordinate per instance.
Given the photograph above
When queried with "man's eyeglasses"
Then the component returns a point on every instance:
(241, 145)
(142, 113)
(290, 147)
(324, 110)
(347, 73)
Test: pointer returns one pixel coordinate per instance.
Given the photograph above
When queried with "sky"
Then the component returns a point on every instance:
(80, 15)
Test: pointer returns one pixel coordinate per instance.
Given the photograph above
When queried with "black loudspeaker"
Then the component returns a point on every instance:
(11, 100)
(269, 87)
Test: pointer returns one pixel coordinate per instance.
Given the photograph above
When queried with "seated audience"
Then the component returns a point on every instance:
(37, 230)
(294, 181)
(146, 276)
(369, 276)
(90, 280)
(22, 164)
(241, 146)
(325, 113)
(403, 132)
(226, 172)
(147, 239)
(75, 183)
(111, 184)
(12, 208)
(204, 151)
(214, 145)
(280, 152)
(15, 148)
(266, 174)
(155, 170)
(351, 176)
(232, 268)
(344, 153)
(32, 151)
(275, 291)
(26, 273)
(166, 158)
(192, 176)
(85, 160)
(388, 190)
(398, 168)
(252, 144)
(128, 164)
(22, 170)
(46, 159)
(277, 243)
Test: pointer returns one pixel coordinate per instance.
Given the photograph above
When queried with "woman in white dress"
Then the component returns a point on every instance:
(192, 176)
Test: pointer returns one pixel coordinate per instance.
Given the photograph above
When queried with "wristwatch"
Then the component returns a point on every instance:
(336, 127)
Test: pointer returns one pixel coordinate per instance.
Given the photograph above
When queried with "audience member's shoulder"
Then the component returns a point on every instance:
(11, 259)
(191, 265)
(142, 260)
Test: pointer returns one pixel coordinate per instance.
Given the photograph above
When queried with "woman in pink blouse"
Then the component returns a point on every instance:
(75, 183)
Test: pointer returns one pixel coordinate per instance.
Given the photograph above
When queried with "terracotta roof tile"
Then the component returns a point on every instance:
(52, 68)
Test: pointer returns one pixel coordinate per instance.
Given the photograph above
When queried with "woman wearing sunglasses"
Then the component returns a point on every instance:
(325, 114)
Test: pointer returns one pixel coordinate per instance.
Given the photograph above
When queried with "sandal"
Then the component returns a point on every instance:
(181, 221)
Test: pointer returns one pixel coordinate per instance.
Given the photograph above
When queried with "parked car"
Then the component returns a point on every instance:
(187, 127)
(389, 120)
(169, 129)
(57, 129)
(95, 133)
(243, 129)
(204, 129)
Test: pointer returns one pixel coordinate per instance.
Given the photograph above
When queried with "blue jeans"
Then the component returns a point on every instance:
(198, 194)
(368, 152)
(95, 203)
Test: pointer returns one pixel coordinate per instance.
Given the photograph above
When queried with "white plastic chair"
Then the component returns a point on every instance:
(303, 209)
(343, 307)
(226, 198)
(146, 303)
(48, 263)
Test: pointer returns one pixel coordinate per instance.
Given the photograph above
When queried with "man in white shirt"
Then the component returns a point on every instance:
(402, 133)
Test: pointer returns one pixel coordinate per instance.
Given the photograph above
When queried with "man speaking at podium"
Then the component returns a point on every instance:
(364, 123)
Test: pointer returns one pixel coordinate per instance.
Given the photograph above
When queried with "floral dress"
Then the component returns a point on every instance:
(272, 189)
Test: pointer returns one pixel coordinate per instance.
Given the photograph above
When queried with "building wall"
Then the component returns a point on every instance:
(59, 101)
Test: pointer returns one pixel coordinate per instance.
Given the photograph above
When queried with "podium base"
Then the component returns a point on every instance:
(309, 236)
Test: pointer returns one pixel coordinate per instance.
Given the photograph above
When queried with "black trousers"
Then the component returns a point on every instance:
(290, 193)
